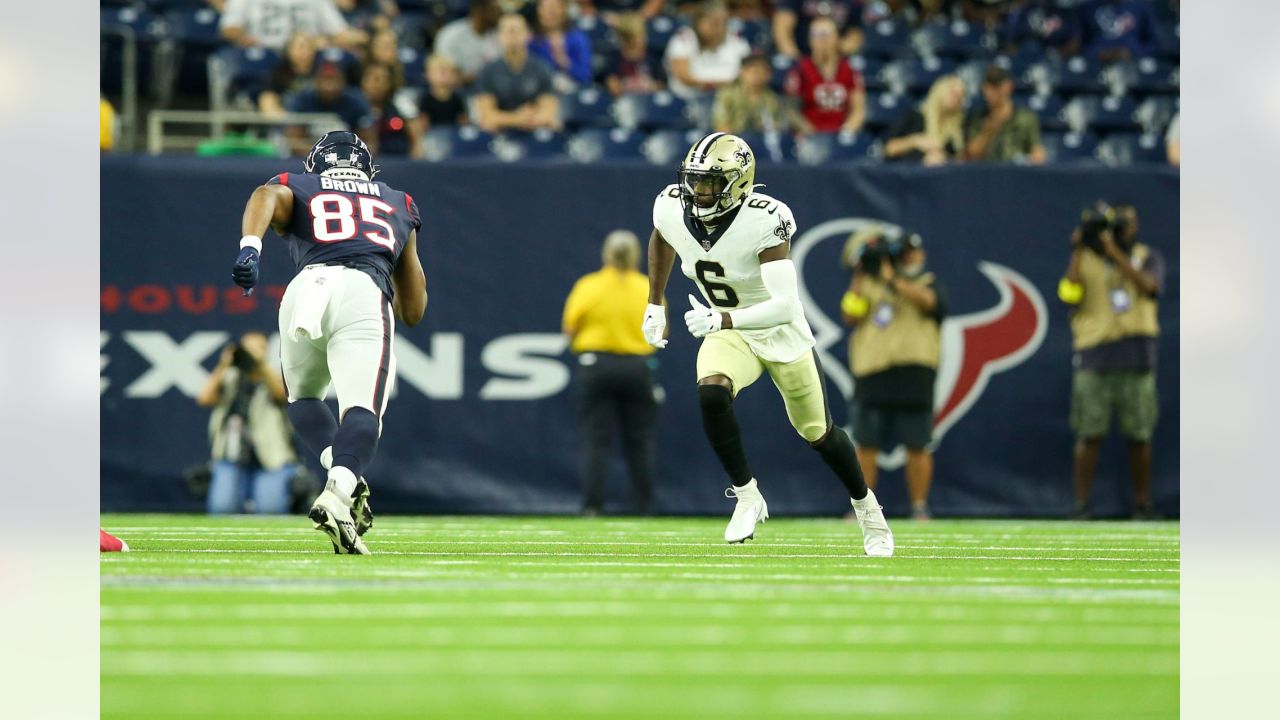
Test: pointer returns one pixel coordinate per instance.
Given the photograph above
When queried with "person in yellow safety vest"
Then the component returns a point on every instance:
(615, 370)
(895, 308)
(1113, 284)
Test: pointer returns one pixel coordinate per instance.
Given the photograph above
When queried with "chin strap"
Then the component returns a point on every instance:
(718, 214)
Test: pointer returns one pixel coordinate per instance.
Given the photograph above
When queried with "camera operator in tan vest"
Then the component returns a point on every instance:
(896, 310)
(1113, 284)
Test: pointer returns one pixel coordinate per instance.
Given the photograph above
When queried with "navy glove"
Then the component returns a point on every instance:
(245, 271)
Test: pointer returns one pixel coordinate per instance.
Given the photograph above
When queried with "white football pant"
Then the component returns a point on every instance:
(336, 326)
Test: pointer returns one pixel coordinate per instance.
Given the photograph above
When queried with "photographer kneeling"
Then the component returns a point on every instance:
(253, 455)
(1112, 285)
(896, 309)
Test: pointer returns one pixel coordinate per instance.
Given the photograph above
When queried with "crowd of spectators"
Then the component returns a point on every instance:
(785, 66)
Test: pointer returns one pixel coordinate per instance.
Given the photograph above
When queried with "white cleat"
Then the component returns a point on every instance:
(360, 509)
(877, 538)
(750, 510)
(332, 516)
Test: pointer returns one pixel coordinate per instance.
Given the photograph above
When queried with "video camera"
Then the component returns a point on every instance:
(1095, 220)
(242, 359)
(885, 248)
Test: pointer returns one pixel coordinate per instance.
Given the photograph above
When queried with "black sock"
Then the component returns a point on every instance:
(356, 440)
(722, 430)
(313, 423)
(837, 452)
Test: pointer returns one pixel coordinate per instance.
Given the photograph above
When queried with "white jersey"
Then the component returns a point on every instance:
(725, 264)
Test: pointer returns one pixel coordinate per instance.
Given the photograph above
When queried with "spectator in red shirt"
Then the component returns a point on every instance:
(831, 93)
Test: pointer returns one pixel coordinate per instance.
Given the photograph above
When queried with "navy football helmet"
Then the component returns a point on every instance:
(340, 150)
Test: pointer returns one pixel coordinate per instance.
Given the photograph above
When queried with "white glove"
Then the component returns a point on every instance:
(655, 323)
(702, 320)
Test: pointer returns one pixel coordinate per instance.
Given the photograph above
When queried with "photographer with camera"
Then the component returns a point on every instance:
(896, 310)
(1112, 284)
(253, 455)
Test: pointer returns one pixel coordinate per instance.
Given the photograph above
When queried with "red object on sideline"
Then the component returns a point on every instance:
(110, 543)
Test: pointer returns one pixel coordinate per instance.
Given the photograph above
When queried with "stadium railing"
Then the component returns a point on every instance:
(128, 83)
(158, 140)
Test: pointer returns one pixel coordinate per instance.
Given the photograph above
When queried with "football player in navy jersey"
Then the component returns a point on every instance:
(354, 243)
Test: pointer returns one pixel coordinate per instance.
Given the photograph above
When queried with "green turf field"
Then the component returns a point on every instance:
(483, 617)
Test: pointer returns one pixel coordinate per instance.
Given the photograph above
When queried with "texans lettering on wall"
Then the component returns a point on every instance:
(975, 346)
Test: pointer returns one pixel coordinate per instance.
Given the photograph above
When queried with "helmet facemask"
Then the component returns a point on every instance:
(713, 184)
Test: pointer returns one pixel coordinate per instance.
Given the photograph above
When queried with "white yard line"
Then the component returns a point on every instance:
(401, 539)
(138, 553)
(579, 663)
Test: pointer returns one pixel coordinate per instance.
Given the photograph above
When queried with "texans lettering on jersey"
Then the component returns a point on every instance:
(359, 224)
(725, 263)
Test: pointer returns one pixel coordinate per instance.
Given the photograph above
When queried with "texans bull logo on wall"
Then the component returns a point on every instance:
(975, 346)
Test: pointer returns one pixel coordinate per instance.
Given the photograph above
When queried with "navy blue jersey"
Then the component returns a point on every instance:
(359, 224)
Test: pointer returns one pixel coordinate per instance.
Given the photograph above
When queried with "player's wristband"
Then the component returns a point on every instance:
(252, 241)
(854, 305)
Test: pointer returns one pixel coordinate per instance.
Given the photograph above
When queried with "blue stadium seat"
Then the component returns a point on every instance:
(822, 148)
(600, 34)
(194, 28)
(1024, 56)
(781, 68)
(1113, 112)
(594, 144)
(660, 111)
(886, 39)
(539, 145)
(1121, 149)
(956, 39)
(916, 75)
(411, 28)
(1151, 75)
(412, 63)
(589, 107)
(658, 32)
(667, 147)
(870, 68)
(453, 9)
(1168, 41)
(771, 148)
(757, 33)
(167, 5)
(1048, 108)
(1030, 70)
(195, 37)
(1155, 113)
(247, 69)
(146, 30)
(143, 24)
(1069, 147)
(443, 143)
(1078, 75)
(347, 61)
(884, 109)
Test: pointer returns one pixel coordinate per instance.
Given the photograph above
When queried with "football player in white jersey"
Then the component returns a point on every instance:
(735, 245)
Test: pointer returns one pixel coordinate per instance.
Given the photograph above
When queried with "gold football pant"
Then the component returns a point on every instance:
(799, 381)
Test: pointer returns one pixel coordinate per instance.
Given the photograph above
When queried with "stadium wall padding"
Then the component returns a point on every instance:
(484, 417)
